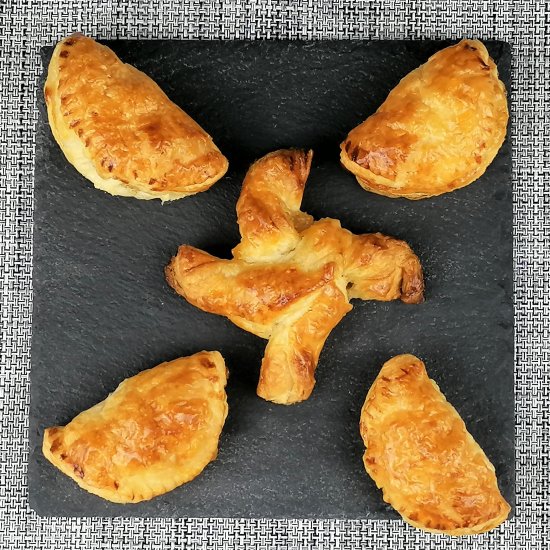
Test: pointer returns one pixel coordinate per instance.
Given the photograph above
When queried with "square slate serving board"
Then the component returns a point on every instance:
(103, 312)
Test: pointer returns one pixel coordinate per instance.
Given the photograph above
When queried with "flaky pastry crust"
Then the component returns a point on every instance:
(421, 455)
(438, 130)
(119, 130)
(291, 278)
(156, 431)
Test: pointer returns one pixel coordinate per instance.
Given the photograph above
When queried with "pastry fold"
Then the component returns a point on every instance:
(156, 431)
(120, 131)
(438, 129)
(419, 452)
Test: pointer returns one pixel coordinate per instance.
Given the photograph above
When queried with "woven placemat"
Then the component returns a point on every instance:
(25, 26)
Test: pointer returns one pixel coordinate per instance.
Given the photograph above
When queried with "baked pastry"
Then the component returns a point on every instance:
(119, 130)
(291, 278)
(420, 454)
(438, 129)
(156, 431)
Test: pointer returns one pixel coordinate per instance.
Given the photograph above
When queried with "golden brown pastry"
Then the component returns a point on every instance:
(420, 454)
(119, 130)
(156, 431)
(291, 278)
(438, 129)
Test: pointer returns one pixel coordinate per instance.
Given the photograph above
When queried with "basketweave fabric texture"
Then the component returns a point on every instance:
(25, 26)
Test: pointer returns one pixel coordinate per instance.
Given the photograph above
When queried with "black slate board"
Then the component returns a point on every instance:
(103, 312)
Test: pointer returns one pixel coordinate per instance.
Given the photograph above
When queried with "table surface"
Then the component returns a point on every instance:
(26, 27)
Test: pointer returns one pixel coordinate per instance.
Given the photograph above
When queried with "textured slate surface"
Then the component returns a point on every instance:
(102, 311)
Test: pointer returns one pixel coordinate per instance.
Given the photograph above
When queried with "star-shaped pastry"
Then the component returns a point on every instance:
(291, 278)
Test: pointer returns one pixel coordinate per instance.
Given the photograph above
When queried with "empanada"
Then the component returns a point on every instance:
(119, 130)
(438, 129)
(420, 454)
(291, 278)
(156, 431)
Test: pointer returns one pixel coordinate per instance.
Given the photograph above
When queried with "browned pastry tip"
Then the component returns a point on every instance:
(412, 286)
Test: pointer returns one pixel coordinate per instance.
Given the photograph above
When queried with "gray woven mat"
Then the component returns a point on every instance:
(27, 25)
